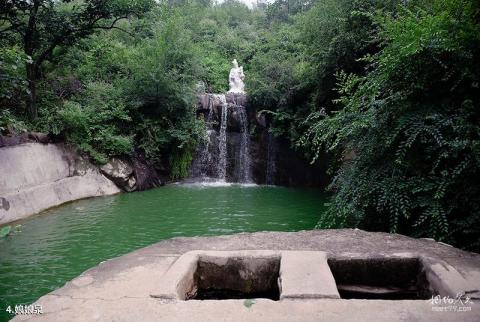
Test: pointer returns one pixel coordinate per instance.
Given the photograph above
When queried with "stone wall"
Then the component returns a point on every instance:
(35, 177)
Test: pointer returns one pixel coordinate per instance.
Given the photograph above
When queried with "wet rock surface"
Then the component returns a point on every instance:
(146, 176)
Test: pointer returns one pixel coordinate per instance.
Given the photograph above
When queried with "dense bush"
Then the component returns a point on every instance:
(407, 133)
(10, 123)
(96, 122)
(12, 74)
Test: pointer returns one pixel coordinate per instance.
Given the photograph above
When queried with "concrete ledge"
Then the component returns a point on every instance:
(178, 280)
(302, 274)
(445, 279)
(121, 289)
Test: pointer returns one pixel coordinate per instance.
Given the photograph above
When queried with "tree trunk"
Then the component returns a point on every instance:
(32, 88)
(32, 72)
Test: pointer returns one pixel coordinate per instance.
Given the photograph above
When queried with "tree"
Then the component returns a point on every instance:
(407, 132)
(43, 25)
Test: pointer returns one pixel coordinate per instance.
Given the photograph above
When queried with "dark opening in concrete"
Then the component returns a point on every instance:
(380, 278)
(217, 278)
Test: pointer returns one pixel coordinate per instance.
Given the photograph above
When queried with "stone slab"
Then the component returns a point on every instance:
(306, 275)
(176, 282)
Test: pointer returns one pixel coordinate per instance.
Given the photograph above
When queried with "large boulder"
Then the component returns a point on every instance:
(35, 177)
(211, 103)
(236, 98)
(146, 174)
(121, 173)
(27, 137)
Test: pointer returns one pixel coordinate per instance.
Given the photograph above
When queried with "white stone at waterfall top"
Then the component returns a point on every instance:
(235, 79)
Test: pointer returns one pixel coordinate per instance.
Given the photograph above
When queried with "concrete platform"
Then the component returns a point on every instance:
(130, 287)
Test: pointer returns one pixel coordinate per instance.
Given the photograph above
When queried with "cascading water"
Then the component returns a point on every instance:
(211, 158)
(210, 162)
(271, 159)
(244, 168)
(222, 142)
(203, 160)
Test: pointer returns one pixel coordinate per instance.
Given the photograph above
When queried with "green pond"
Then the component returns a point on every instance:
(61, 243)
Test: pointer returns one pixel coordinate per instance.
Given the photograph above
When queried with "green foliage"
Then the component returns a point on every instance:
(5, 231)
(282, 11)
(62, 22)
(216, 70)
(42, 26)
(293, 70)
(12, 73)
(163, 70)
(185, 137)
(273, 84)
(10, 123)
(160, 137)
(407, 135)
(180, 161)
(114, 94)
(93, 122)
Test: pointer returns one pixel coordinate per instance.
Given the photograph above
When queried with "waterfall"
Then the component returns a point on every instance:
(203, 160)
(212, 151)
(210, 162)
(271, 159)
(211, 156)
(244, 169)
(222, 142)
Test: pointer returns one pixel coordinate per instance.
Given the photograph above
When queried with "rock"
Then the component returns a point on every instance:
(146, 176)
(35, 177)
(236, 98)
(211, 102)
(290, 167)
(234, 121)
(203, 102)
(27, 137)
(120, 172)
(261, 119)
(13, 140)
(132, 182)
(39, 137)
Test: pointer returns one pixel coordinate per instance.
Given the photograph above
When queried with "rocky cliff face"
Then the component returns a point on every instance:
(34, 177)
(270, 160)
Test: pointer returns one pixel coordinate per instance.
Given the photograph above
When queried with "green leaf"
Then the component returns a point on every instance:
(4, 231)
(248, 303)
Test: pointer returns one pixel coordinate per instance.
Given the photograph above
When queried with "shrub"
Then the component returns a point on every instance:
(407, 136)
(97, 122)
